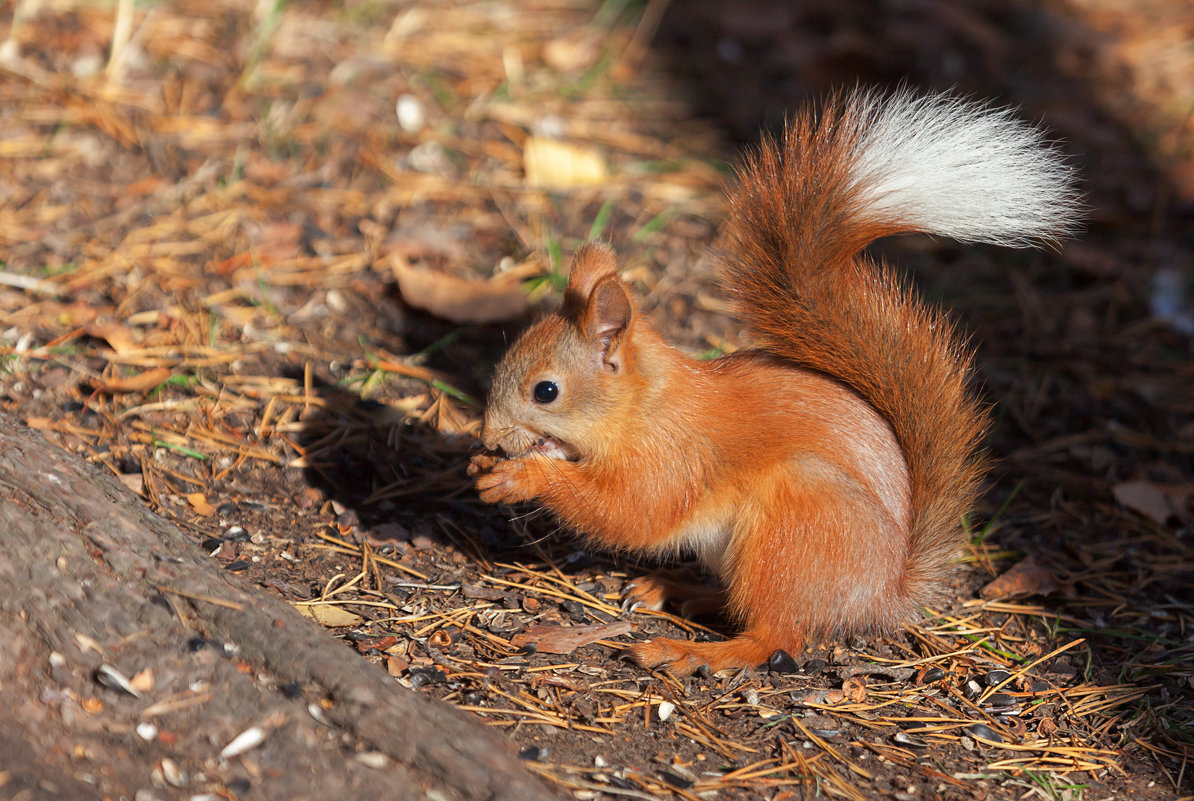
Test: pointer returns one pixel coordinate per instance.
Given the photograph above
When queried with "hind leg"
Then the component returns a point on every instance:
(804, 562)
(682, 657)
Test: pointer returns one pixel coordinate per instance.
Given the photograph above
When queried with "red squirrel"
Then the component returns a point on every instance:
(823, 475)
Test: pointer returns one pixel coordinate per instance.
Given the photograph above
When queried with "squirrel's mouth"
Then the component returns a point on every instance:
(552, 448)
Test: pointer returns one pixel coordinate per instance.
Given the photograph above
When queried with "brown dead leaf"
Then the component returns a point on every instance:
(855, 689)
(551, 164)
(1025, 577)
(141, 382)
(572, 53)
(134, 481)
(459, 300)
(142, 680)
(447, 417)
(566, 639)
(329, 615)
(834, 697)
(200, 504)
(117, 334)
(1158, 502)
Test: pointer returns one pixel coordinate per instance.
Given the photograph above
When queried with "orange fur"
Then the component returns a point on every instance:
(823, 477)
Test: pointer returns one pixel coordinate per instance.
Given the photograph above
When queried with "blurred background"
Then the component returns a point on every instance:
(258, 260)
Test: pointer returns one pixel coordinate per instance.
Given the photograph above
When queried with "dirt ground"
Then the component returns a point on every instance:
(259, 261)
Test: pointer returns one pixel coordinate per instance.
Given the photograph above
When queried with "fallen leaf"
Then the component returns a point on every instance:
(1158, 502)
(142, 680)
(140, 382)
(329, 615)
(855, 689)
(1025, 577)
(459, 300)
(134, 481)
(835, 697)
(447, 418)
(198, 502)
(119, 336)
(566, 639)
(572, 53)
(551, 164)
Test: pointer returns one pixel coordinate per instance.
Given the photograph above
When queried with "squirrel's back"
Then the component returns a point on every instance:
(868, 166)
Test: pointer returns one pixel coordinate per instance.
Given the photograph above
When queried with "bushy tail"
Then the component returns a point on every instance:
(873, 165)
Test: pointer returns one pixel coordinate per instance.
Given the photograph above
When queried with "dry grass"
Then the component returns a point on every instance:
(200, 210)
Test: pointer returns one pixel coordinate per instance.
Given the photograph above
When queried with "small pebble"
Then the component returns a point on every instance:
(422, 676)
(533, 753)
(113, 678)
(907, 739)
(418, 680)
(236, 534)
(675, 780)
(245, 741)
(373, 759)
(1001, 699)
(317, 714)
(982, 732)
(995, 677)
(781, 661)
(814, 666)
(171, 772)
(411, 116)
(1063, 669)
(575, 609)
(665, 710)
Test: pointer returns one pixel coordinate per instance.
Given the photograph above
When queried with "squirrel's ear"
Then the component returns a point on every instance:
(592, 262)
(607, 316)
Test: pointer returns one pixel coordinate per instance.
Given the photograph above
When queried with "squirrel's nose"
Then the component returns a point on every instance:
(491, 432)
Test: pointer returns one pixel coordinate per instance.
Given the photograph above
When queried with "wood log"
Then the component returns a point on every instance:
(131, 666)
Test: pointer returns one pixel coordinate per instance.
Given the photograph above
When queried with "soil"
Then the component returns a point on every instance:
(204, 225)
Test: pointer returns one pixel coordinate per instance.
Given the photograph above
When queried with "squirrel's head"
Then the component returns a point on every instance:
(561, 385)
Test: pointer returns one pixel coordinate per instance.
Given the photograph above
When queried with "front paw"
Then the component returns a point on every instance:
(644, 592)
(482, 462)
(509, 481)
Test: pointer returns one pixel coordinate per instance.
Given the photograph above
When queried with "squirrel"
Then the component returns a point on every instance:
(823, 475)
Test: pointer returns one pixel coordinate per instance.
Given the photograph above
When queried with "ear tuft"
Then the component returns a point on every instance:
(591, 263)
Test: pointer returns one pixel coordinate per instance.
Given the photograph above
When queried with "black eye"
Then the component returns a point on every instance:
(546, 392)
